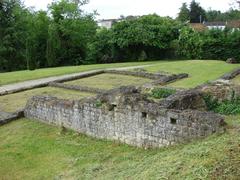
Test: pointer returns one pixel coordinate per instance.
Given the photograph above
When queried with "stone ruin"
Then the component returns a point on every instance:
(128, 116)
(222, 89)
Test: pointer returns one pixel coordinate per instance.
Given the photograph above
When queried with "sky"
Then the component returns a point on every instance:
(114, 8)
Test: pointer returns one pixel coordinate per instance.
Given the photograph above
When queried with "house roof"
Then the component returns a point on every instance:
(216, 23)
(107, 20)
(233, 24)
(198, 26)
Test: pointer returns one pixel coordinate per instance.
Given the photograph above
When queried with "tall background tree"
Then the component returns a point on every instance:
(70, 33)
(197, 13)
(13, 33)
(184, 14)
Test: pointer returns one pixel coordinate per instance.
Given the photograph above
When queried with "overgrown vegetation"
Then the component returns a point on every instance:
(226, 107)
(66, 35)
(159, 93)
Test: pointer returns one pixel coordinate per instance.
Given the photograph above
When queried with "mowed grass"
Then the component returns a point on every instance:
(200, 71)
(19, 76)
(14, 102)
(109, 81)
(236, 80)
(32, 150)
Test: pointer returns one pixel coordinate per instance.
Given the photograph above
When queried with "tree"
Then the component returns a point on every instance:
(74, 30)
(13, 33)
(189, 44)
(53, 46)
(101, 49)
(197, 13)
(152, 34)
(184, 14)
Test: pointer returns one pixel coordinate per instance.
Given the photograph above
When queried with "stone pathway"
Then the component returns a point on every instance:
(17, 87)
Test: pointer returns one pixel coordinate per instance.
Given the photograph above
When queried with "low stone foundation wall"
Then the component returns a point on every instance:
(221, 91)
(127, 116)
(160, 78)
(231, 75)
(77, 88)
(9, 117)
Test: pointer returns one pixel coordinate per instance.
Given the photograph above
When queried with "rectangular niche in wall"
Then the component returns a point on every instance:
(144, 115)
(112, 107)
(173, 121)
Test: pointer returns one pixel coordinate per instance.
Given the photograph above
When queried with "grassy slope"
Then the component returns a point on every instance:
(109, 81)
(199, 71)
(18, 76)
(13, 102)
(32, 150)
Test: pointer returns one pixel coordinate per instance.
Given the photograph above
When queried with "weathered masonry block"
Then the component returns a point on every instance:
(127, 116)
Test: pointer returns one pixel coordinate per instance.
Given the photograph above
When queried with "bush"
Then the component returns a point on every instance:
(209, 44)
(227, 107)
(159, 93)
(142, 56)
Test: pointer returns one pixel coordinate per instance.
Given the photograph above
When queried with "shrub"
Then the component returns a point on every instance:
(142, 56)
(227, 107)
(159, 93)
(212, 103)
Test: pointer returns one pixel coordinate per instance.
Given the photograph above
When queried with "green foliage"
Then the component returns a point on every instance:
(30, 54)
(150, 30)
(232, 14)
(184, 14)
(66, 35)
(101, 49)
(159, 93)
(32, 39)
(197, 13)
(189, 43)
(71, 32)
(209, 44)
(142, 56)
(226, 107)
(53, 46)
(152, 34)
(212, 103)
(99, 103)
(13, 33)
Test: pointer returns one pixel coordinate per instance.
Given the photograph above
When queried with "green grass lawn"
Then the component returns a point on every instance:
(236, 80)
(200, 71)
(18, 76)
(109, 81)
(32, 150)
(14, 102)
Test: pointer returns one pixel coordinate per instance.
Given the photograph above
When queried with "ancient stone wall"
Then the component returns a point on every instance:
(9, 117)
(158, 77)
(77, 88)
(127, 116)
